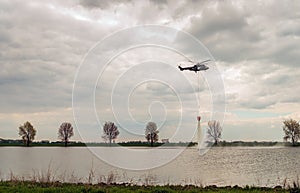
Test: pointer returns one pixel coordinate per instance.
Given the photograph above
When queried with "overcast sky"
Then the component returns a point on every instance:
(255, 45)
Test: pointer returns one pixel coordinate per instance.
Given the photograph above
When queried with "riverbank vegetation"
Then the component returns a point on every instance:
(291, 130)
(37, 187)
(9, 142)
(95, 144)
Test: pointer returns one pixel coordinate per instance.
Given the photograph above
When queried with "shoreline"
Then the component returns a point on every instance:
(145, 145)
(31, 186)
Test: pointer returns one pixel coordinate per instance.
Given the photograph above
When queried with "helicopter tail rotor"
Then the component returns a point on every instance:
(181, 69)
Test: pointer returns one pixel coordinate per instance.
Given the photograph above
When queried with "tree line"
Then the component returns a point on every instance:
(27, 132)
(110, 132)
(291, 129)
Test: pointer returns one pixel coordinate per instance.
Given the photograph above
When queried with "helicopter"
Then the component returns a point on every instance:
(198, 66)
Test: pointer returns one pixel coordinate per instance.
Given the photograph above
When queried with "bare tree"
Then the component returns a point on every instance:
(151, 133)
(65, 132)
(27, 132)
(291, 130)
(110, 131)
(214, 131)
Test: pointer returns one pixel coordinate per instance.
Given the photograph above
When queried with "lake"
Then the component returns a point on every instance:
(260, 166)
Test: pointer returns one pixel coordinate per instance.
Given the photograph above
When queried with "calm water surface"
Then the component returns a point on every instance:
(219, 166)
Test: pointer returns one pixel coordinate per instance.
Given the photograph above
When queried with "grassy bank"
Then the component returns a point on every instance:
(35, 187)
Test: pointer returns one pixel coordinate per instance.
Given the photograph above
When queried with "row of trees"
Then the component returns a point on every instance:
(291, 130)
(28, 132)
(111, 132)
(65, 132)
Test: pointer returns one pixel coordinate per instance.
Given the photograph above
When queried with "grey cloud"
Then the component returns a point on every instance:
(94, 4)
(233, 34)
(42, 45)
(226, 18)
(287, 53)
(289, 28)
(287, 98)
(228, 44)
(102, 4)
(257, 103)
(185, 9)
(262, 87)
(29, 88)
(160, 3)
(5, 37)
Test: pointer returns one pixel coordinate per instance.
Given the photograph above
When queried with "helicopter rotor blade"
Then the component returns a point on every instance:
(205, 61)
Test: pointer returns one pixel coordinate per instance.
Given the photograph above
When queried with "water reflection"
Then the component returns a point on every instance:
(220, 166)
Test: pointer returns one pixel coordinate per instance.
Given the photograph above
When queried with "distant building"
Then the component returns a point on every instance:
(165, 140)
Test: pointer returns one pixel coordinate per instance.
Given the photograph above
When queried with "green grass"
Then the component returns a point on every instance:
(34, 187)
